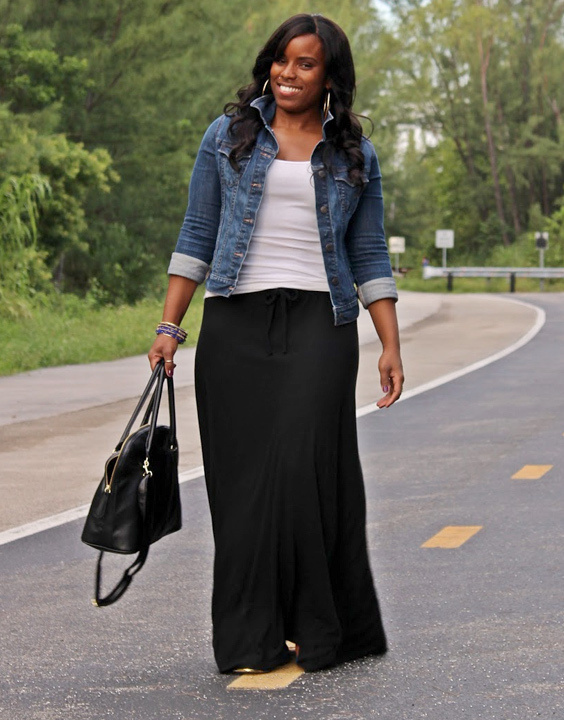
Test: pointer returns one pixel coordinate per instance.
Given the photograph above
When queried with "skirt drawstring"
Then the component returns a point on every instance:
(280, 297)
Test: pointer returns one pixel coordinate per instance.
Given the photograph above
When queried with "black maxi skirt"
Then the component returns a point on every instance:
(275, 390)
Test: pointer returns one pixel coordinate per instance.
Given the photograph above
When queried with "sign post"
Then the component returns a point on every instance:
(397, 246)
(444, 239)
(541, 241)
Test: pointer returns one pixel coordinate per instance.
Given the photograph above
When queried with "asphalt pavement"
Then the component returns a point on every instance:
(58, 425)
(475, 630)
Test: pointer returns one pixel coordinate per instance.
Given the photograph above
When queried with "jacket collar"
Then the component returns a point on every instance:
(267, 107)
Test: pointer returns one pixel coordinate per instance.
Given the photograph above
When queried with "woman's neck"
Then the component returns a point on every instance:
(309, 123)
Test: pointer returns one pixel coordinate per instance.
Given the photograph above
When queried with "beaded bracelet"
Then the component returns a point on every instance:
(173, 331)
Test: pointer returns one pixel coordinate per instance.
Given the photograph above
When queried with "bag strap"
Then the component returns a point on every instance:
(123, 584)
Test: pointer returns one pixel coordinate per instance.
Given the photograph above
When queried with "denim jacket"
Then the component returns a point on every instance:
(223, 206)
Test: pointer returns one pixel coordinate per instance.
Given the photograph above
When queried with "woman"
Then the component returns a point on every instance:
(285, 220)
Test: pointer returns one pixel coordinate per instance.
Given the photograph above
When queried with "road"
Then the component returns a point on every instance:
(475, 631)
(58, 425)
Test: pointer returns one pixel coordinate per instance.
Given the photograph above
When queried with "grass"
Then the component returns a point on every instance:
(71, 331)
(475, 285)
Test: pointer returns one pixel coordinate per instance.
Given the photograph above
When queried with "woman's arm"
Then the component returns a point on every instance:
(383, 313)
(191, 259)
(365, 240)
(178, 298)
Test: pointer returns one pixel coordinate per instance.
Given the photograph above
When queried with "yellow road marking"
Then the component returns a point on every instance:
(531, 472)
(452, 536)
(279, 678)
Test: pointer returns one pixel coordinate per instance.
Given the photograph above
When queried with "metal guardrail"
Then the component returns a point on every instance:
(512, 273)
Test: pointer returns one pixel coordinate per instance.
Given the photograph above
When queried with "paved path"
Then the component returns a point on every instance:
(58, 425)
(53, 391)
(475, 631)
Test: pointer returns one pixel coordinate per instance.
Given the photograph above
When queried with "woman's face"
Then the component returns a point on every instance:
(297, 77)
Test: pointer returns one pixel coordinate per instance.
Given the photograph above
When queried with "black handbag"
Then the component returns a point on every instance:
(138, 500)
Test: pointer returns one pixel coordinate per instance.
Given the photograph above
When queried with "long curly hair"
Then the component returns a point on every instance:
(344, 133)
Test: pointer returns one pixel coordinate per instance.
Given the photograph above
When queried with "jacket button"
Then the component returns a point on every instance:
(324, 209)
(334, 281)
(322, 173)
(329, 247)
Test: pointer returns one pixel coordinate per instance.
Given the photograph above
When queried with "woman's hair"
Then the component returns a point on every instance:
(345, 132)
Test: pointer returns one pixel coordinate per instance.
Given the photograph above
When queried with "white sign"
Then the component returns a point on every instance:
(397, 244)
(444, 239)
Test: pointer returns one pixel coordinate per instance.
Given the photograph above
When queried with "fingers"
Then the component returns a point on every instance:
(394, 390)
(163, 348)
(391, 381)
(169, 367)
(169, 363)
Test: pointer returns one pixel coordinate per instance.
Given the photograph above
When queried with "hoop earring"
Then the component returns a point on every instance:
(264, 86)
(326, 104)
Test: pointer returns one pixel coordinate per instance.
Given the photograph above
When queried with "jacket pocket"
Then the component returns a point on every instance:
(347, 191)
(229, 175)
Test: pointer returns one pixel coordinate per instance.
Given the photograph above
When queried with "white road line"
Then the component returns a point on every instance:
(37, 526)
(449, 377)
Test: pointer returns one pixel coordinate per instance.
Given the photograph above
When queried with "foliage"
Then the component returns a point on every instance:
(555, 228)
(483, 78)
(46, 178)
(103, 104)
(33, 78)
(68, 330)
(22, 267)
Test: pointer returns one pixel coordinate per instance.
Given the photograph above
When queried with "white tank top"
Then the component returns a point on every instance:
(285, 248)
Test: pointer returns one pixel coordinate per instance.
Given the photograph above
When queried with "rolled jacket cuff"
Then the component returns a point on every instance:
(188, 267)
(377, 289)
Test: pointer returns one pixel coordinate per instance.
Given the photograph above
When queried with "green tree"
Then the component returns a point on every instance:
(35, 83)
(23, 273)
(484, 77)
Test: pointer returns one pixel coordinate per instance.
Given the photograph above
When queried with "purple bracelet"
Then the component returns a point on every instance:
(173, 331)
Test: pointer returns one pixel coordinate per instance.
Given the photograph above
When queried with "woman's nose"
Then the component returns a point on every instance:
(289, 71)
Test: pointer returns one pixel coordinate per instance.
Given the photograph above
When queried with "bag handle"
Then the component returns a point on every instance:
(151, 413)
(142, 400)
(153, 410)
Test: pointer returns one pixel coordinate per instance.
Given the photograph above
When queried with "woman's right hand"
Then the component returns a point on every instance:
(178, 297)
(163, 348)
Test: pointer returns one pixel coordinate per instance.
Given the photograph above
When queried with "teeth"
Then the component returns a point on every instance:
(288, 88)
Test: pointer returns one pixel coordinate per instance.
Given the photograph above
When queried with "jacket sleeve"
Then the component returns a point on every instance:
(196, 242)
(366, 241)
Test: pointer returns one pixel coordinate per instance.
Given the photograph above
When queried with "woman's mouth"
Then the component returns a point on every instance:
(288, 90)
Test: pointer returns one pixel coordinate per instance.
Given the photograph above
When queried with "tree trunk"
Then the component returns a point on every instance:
(514, 201)
(59, 274)
(509, 174)
(460, 136)
(484, 62)
(544, 190)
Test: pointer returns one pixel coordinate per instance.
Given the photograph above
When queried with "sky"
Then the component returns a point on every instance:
(383, 9)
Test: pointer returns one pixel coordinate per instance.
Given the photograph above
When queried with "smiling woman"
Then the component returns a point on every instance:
(298, 81)
(285, 224)
(310, 57)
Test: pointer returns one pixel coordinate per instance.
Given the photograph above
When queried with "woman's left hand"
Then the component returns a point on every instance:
(391, 377)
